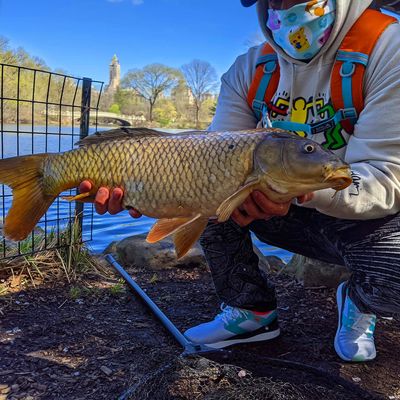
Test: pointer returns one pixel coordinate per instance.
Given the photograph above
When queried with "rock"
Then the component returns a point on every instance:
(135, 251)
(242, 373)
(263, 262)
(275, 263)
(315, 273)
(111, 248)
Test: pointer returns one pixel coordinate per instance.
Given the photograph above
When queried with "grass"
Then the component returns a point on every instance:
(68, 259)
(153, 279)
(75, 292)
(118, 289)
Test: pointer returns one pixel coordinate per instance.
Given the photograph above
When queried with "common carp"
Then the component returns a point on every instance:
(181, 180)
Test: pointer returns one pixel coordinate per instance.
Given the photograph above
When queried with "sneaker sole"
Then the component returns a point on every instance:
(257, 338)
(339, 297)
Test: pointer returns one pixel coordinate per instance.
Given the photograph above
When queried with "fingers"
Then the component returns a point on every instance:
(241, 219)
(114, 203)
(106, 201)
(101, 200)
(85, 186)
(134, 213)
(252, 209)
(305, 198)
(258, 206)
(269, 207)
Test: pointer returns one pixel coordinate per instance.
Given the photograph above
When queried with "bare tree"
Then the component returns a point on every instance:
(201, 79)
(151, 81)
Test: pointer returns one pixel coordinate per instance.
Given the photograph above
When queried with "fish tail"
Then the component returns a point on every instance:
(30, 201)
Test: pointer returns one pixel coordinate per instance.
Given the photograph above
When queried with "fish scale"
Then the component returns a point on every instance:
(181, 180)
(178, 171)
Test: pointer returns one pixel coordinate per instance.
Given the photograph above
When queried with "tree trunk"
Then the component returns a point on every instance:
(151, 112)
(197, 116)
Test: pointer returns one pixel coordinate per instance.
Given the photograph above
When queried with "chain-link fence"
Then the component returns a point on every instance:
(45, 112)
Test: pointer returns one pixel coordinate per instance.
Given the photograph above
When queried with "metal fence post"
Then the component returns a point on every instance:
(83, 132)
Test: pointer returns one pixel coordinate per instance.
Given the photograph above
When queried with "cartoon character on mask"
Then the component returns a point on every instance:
(299, 40)
(315, 9)
(303, 29)
(325, 36)
(274, 22)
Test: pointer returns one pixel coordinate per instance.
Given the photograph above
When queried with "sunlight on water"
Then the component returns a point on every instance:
(106, 228)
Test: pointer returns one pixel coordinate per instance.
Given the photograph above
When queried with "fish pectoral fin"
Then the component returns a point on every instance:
(227, 207)
(86, 197)
(186, 236)
(167, 226)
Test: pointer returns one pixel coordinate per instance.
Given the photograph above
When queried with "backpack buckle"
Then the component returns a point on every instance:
(347, 69)
(258, 105)
(270, 67)
(348, 113)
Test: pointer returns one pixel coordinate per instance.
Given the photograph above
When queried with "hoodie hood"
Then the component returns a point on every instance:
(347, 12)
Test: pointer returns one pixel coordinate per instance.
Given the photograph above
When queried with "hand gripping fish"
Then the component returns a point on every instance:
(181, 180)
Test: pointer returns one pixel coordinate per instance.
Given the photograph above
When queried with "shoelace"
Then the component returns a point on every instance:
(229, 313)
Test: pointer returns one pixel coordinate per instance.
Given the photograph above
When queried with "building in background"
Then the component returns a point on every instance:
(115, 76)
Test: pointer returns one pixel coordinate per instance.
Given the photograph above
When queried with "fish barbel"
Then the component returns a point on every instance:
(181, 180)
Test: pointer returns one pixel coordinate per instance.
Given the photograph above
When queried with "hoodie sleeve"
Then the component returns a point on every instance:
(373, 151)
(233, 112)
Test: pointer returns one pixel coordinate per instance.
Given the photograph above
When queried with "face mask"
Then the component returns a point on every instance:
(303, 29)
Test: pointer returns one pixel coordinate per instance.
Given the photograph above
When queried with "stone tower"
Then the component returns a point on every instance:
(115, 75)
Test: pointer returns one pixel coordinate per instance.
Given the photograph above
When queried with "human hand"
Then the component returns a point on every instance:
(259, 206)
(104, 201)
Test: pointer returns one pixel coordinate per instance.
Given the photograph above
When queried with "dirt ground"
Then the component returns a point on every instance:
(93, 340)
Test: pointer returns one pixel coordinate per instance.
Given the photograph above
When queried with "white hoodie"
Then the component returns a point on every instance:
(373, 150)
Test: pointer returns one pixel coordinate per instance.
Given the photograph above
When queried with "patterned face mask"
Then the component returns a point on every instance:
(303, 29)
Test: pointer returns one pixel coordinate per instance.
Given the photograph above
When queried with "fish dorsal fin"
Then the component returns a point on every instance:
(130, 133)
(120, 133)
(227, 207)
(193, 133)
(167, 226)
(186, 236)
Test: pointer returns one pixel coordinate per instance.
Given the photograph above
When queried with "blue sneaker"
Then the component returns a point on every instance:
(354, 340)
(235, 325)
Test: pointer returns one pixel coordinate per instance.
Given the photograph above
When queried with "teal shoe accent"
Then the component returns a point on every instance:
(235, 325)
(354, 340)
(232, 317)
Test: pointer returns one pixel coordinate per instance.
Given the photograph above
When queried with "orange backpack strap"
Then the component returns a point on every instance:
(350, 65)
(265, 81)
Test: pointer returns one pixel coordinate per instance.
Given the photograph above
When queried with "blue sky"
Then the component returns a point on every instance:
(81, 36)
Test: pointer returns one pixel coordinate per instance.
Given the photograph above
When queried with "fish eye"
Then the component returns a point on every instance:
(309, 148)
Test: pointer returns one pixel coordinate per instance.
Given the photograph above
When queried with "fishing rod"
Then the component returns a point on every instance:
(188, 347)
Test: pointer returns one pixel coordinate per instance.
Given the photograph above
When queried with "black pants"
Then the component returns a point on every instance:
(370, 249)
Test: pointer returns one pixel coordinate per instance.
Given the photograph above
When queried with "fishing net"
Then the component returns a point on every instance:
(198, 378)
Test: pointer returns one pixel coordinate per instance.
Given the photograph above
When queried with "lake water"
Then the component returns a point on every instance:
(106, 228)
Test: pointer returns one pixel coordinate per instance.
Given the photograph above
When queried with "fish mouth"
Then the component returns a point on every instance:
(340, 178)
